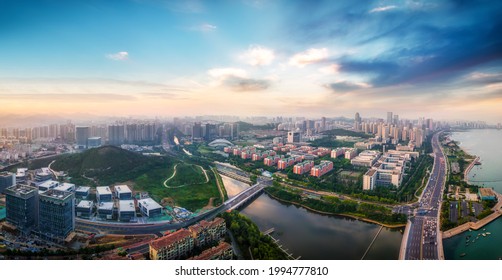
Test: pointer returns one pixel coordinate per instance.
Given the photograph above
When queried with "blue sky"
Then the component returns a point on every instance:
(147, 57)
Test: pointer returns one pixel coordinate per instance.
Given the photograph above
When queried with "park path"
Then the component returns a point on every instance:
(174, 174)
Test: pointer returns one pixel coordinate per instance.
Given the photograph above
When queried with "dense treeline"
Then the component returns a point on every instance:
(250, 239)
(337, 206)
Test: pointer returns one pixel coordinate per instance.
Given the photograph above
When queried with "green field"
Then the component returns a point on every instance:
(187, 174)
(110, 165)
(191, 197)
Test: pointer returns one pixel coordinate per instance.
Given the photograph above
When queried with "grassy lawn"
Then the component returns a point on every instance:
(187, 174)
(191, 197)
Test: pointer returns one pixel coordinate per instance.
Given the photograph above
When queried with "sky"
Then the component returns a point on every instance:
(440, 59)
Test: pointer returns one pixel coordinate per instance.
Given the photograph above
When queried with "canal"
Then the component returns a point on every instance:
(313, 236)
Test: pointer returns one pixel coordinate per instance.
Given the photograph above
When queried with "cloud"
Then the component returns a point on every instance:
(237, 79)
(118, 56)
(346, 86)
(204, 27)
(223, 72)
(308, 57)
(383, 9)
(258, 55)
(330, 69)
(245, 84)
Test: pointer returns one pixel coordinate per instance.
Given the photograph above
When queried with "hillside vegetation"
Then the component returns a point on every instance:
(107, 165)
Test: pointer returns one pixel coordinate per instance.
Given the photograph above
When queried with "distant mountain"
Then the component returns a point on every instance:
(106, 165)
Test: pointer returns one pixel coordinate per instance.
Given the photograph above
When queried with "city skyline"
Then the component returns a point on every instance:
(156, 58)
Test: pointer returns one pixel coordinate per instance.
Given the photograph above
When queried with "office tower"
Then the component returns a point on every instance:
(396, 119)
(389, 117)
(210, 131)
(54, 131)
(323, 124)
(197, 130)
(116, 135)
(56, 214)
(234, 134)
(82, 133)
(357, 118)
(293, 137)
(21, 205)
(419, 138)
(7, 179)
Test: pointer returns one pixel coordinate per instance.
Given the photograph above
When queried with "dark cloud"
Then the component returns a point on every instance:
(245, 84)
(342, 87)
(420, 42)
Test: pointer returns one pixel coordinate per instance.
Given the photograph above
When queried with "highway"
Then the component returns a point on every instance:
(422, 240)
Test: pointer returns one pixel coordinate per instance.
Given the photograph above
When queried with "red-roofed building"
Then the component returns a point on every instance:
(172, 246)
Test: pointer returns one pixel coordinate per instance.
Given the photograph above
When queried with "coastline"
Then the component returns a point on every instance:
(338, 214)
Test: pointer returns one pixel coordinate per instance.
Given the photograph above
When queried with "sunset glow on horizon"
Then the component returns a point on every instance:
(441, 59)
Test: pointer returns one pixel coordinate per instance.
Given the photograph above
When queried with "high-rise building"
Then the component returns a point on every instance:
(197, 130)
(56, 214)
(396, 119)
(116, 135)
(7, 179)
(293, 137)
(82, 133)
(21, 206)
(389, 117)
(234, 132)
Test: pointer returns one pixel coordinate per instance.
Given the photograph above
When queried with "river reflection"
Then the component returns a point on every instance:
(314, 236)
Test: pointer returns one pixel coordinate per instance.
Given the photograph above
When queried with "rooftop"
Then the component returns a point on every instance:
(209, 253)
(105, 206)
(55, 194)
(122, 189)
(83, 189)
(170, 239)
(85, 204)
(486, 192)
(5, 173)
(103, 190)
(149, 203)
(126, 205)
(21, 189)
(65, 187)
(49, 184)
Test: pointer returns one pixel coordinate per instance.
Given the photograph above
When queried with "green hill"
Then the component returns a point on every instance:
(106, 165)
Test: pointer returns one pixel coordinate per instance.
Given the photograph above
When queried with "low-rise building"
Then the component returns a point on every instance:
(103, 194)
(127, 210)
(82, 192)
(303, 167)
(84, 209)
(221, 252)
(337, 152)
(123, 192)
(366, 158)
(350, 153)
(271, 160)
(105, 210)
(66, 187)
(149, 207)
(486, 194)
(47, 185)
(324, 167)
(173, 246)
